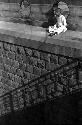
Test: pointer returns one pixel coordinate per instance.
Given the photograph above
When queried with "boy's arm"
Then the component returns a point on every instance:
(64, 21)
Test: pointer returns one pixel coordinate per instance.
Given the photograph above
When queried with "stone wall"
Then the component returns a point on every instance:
(24, 59)
(19, 64)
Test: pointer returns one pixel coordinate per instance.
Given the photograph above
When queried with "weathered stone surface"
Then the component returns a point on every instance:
(7, 46)
(44, 71)
(17, 79)
(22, 66)
(62, 61)
(36, 54)
(50, 66)
(33, 61)
(54, 59)
(12, 70)
(20, 50)
(76, 53)
(1, 66)
(28, 51)
(1, 60)
(7, 68)
(19, 72)
(45, 56)
(68, 51)
(41, 64)
(37, 71)
(13, 48)
(62, 50)
(26, 75)
(18, 57)
(1, 45)
(29, 68)
(11, 55)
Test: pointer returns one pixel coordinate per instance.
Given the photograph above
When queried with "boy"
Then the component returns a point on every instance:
(61, 24)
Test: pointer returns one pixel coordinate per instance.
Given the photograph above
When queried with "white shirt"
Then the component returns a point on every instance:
(61, 21)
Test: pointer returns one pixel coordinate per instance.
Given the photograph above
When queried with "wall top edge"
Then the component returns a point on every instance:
(37, 36)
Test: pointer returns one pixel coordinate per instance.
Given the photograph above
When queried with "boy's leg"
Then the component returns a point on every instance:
(61, 29)
(51, 29)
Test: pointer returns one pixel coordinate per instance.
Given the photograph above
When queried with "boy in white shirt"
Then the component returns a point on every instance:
(61, 24)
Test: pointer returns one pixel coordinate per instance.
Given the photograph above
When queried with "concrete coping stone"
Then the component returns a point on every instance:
(37, 36)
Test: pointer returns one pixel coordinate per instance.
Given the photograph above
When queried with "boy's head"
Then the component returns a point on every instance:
(57, 12)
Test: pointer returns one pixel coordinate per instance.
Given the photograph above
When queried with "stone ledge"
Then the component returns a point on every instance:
(37, 37)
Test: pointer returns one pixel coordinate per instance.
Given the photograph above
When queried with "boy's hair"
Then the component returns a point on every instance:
(58, 11)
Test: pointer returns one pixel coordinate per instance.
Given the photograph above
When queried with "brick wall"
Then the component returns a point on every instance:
(19, 64)
(22, 60)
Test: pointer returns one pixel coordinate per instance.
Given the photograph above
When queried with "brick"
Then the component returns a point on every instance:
(34, 94)
(42, 91)
(7, 46)
(54, 59)
(29, 68)
(60, 87)
(36, 76)
(24, 58)
(7, 68)
(18, 58)
(36, 71)
(43, 71)
(20, 50)
(19, 72)
(14, 85)
(22, 66)
(36, 54)
(13, 70)
(41, 64)
(26, 75)
(1, 45)
(32, 76)
(45, 56)
(1, 66)
(50, 66)
(47, 82)
(4, 74)
(11, 55)
(62, 61)
(5, 53)
(1, 72)
(14, 63)
(4, 80)
(33, 61)
(50, 88)
(27, 59)
(17, 79)
(1, 52)
(1, 60)
(28, 51)
(13, 48)
(7, 61)
(11, 76)
(80, 76)
(25, 81)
